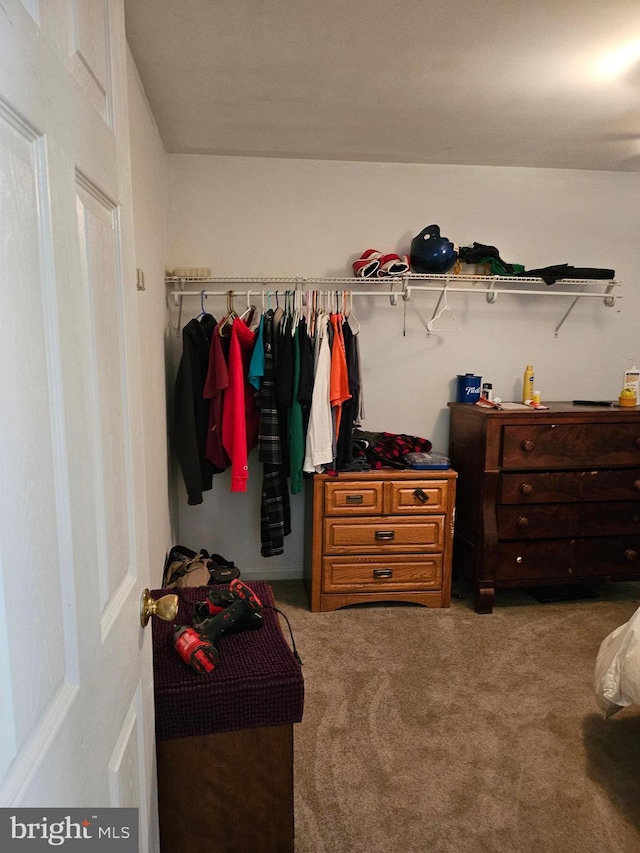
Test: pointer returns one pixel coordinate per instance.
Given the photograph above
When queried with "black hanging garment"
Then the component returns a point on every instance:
(275, 514)
(283, 343)
(191, 410)
(344, 452)
(305, 384)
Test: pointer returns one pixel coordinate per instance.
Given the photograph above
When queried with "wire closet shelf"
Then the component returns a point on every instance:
(404, 286)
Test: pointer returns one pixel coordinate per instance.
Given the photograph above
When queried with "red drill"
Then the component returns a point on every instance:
(236, 609)
(195, 649)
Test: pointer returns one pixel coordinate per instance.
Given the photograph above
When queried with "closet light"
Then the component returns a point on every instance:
(617, 63)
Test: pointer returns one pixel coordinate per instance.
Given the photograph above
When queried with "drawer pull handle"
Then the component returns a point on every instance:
(636, 485)
(631, 555)
(421, 495)
(385, 535)
(528, 445)
(354, 499)
(383, 573)
(522, 522)
(638, 442)
(526, 489)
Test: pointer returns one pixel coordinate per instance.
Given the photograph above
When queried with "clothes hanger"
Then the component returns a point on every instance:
(229, 317)
(249, 312)
(443, 320)
(297, 310)
(203, 311)
(310, 317)
(278, 313)
(352, 320)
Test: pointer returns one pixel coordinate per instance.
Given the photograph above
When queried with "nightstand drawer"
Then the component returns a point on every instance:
(557, 445)
(549, 521)
(560, 486)
(405, 497)
(361, 498)
(383, 535)
(380, 574)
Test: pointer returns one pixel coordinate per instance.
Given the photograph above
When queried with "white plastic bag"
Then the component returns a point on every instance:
(617, 670)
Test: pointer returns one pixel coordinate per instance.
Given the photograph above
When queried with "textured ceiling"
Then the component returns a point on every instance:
(477, 82)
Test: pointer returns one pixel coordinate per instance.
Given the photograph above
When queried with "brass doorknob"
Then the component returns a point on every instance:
(165, 608)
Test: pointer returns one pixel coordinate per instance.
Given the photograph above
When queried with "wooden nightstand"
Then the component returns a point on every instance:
(382, 535)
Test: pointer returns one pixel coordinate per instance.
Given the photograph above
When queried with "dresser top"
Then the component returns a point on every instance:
(557, 409)
(388, 474)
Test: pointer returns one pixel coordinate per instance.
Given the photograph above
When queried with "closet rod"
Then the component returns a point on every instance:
(491, 294)
(178, 294)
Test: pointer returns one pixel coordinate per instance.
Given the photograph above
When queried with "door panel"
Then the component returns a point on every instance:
(31, 500)
(75, 664)
(98, 236)
(89, 59)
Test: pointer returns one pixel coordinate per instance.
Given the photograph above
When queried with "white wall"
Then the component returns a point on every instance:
(271, 217)
(150, 183)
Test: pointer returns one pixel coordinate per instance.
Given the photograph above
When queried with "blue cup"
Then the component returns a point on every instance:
(468, 387)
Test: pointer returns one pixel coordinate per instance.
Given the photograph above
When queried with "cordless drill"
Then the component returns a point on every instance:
(195, 649)
(222, 611)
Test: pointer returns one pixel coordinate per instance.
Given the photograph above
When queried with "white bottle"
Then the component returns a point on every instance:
(632, 380)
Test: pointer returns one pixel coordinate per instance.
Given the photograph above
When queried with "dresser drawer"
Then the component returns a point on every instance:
(558, 486)
(561, 445)
(548, 521)
(360, 498)
(381, 574)
(567, 559)
(404, 497)
(399, 534)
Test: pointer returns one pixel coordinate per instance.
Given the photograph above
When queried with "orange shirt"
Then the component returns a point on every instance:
(339, 386)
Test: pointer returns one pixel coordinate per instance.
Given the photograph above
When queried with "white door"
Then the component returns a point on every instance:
(75, 663)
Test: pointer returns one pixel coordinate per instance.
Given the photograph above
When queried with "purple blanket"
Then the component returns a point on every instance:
(257, 681)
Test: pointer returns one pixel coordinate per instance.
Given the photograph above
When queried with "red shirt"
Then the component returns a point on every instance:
(240, 417)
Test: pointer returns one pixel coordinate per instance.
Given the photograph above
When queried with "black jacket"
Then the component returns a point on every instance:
(191, 410)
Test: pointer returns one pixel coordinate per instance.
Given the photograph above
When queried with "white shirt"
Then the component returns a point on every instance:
(319, 444)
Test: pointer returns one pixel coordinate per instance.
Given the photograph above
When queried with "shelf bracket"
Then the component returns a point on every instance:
(609, 301)
(177, 297)
(566, 314)
(492, 294)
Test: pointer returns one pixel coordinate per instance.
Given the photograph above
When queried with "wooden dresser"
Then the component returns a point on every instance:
(545, 497)
(383, 535)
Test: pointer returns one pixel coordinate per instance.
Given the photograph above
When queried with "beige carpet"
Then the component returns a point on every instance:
(442, 731)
